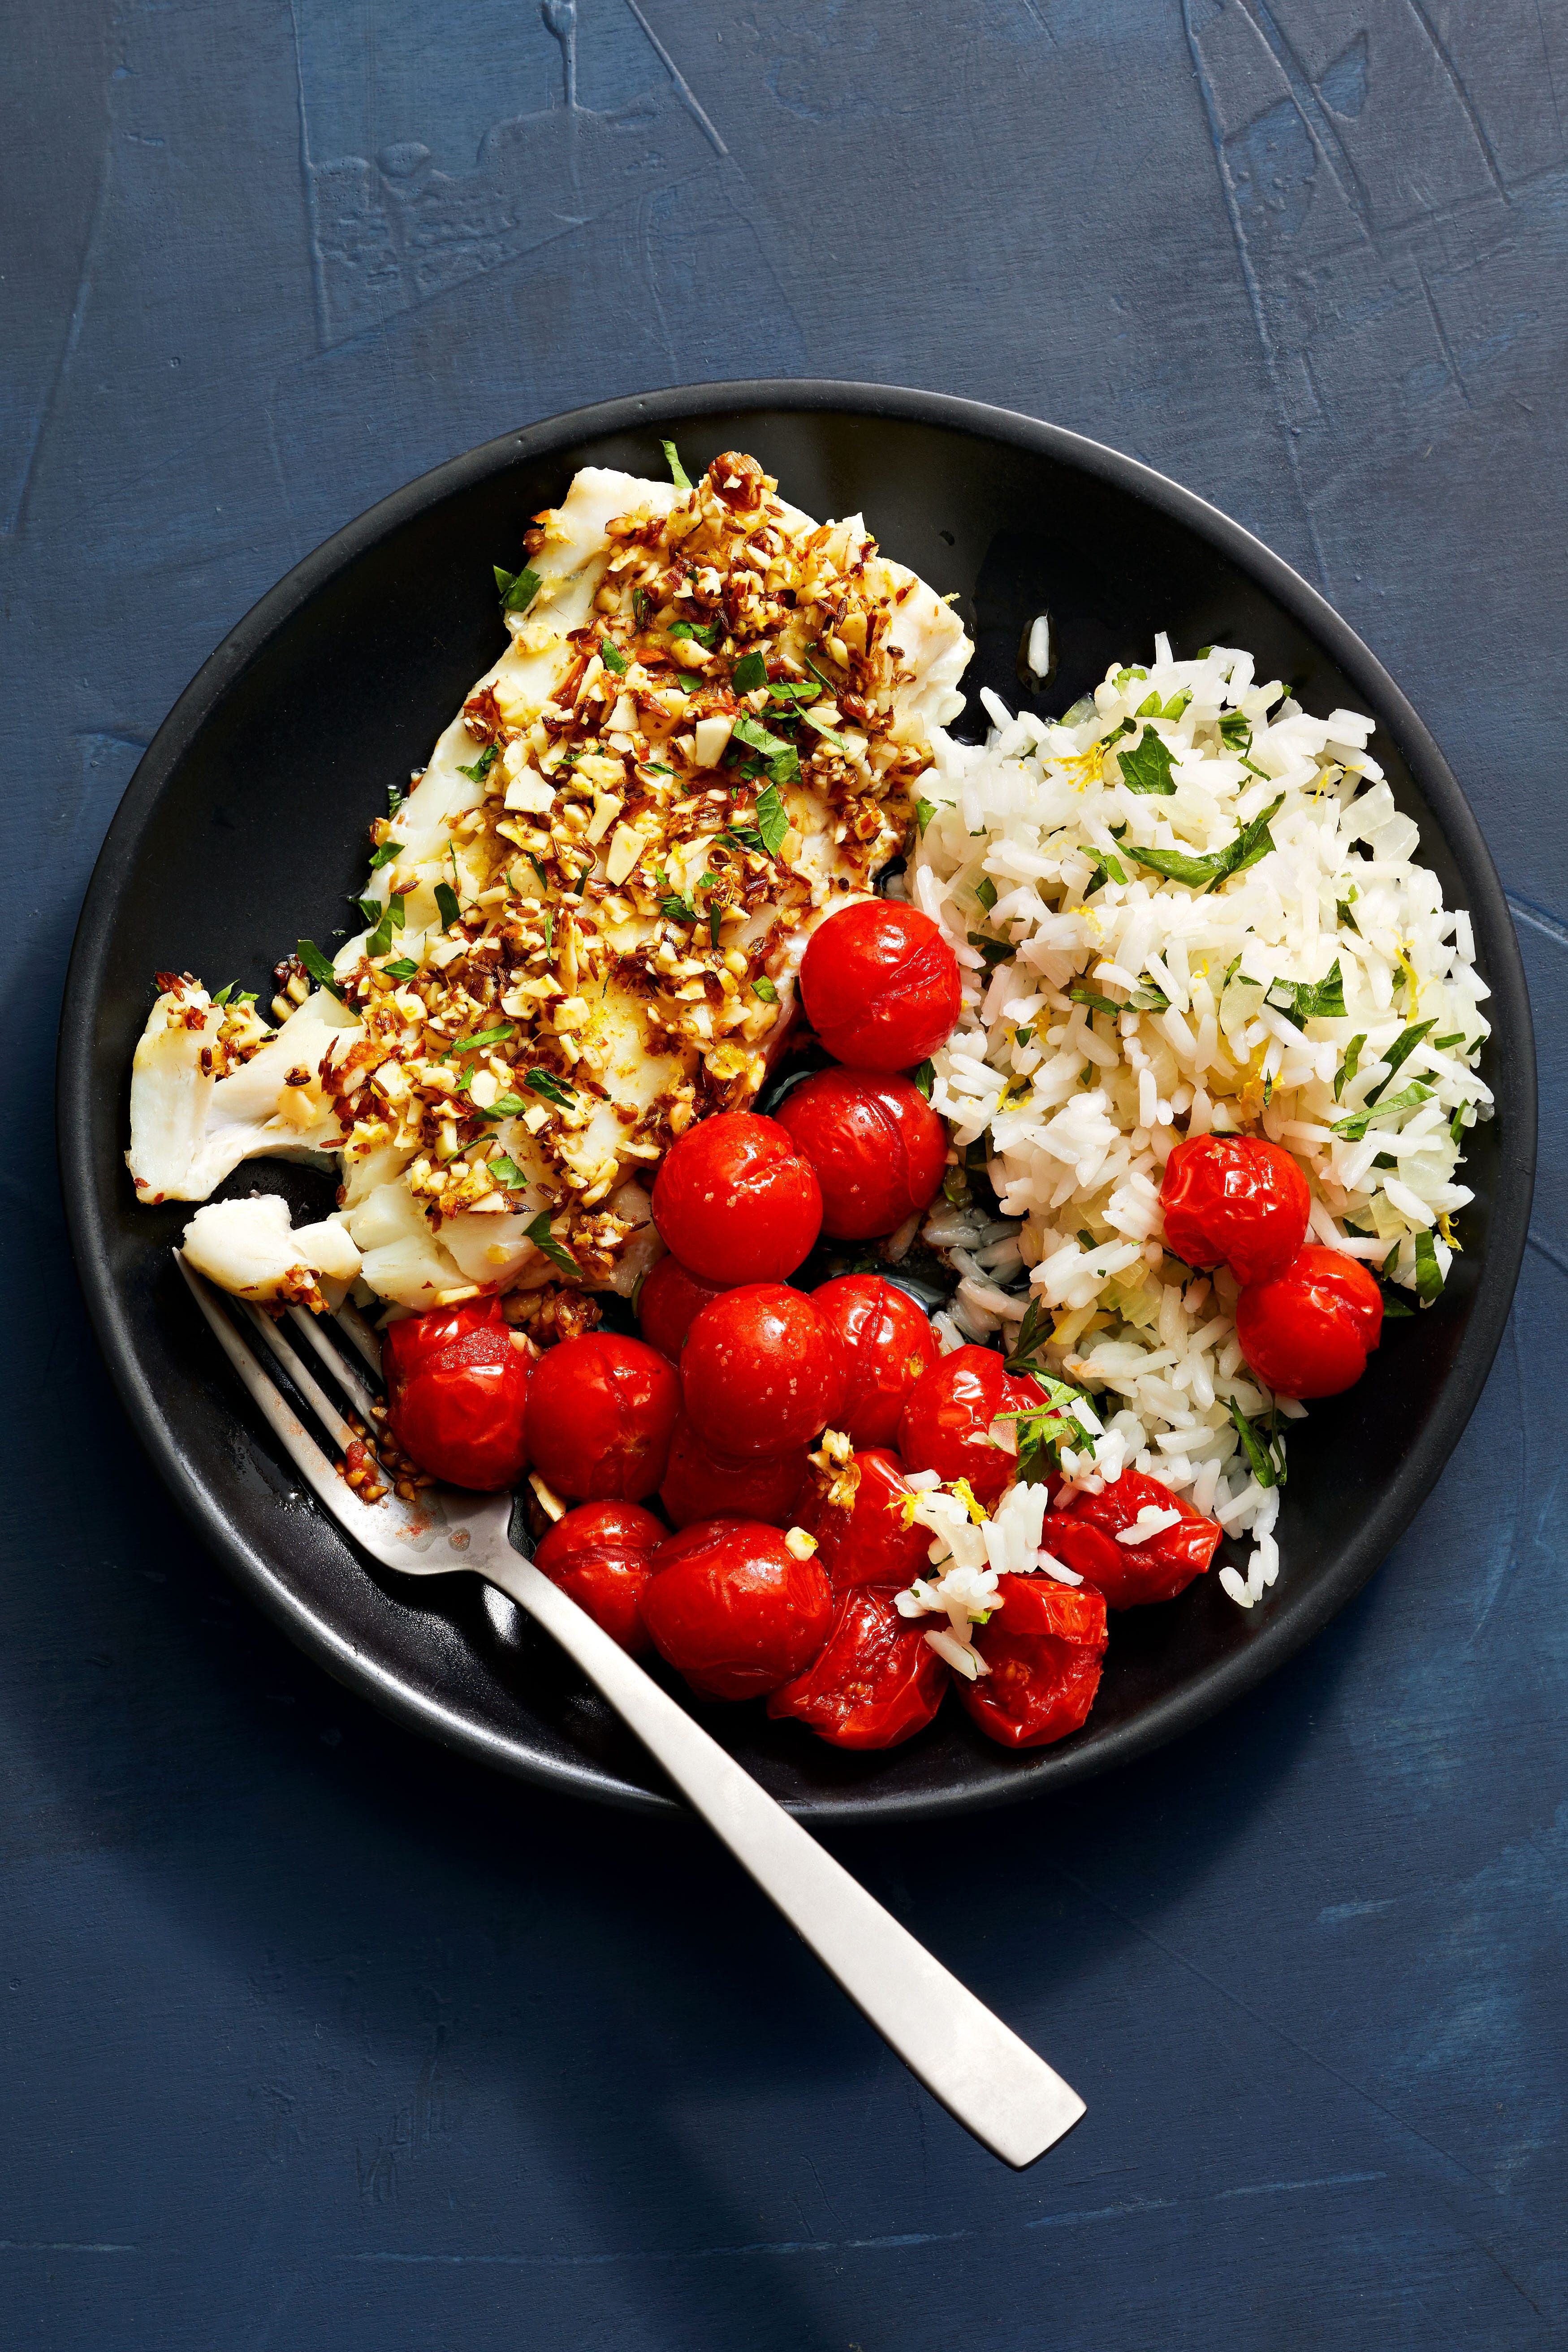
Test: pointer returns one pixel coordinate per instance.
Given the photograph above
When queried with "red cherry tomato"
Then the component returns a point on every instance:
(666, 1302)
(1308, 1332)
(876, 1683)
(1044, 1647)
(600, 1526)
(457, 1393)
(731, 1606)
(760, 1370)
(1236, 1198)
(857, 1514)
(946, 1425)
(880, 985)
(1130, 1574)
(702, 1485)
(600, 1416)
(877, 1146)
(888, 1343)
(735, 1202)
(602, 1554)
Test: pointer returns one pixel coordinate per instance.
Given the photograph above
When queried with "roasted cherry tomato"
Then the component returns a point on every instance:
(735, 1201)
(1308, 1332)
(602, 1554)
(888, 1343)
(761, 1371)
(858, 1517)
(880, 985)
(1236, 1199)
(877, 1682)
(702, 1485)
(1130, 1574)
(457, 1393)
(1044, 1647)
(946, 1425)
(600, 1417)
(877, 1146)
(731, 1606)
(666, 1302)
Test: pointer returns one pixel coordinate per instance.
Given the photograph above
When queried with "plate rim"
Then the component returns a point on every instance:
(1277, 1639)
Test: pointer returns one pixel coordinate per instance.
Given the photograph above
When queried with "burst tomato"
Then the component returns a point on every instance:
(601, 1554)
(761, 1371)
(880, 985)
(876, 1683)
(735, 1202)
(730, 1605)
(702, 1485)
(1308, 1332)
(887, 1342)
(857, 1514)
(667, 1302)
(876, 1144)
(1131, 1574)
(600, 1416)
(1238, 1199)
(946, 1425)
(457, 1393)
(1044, 1647)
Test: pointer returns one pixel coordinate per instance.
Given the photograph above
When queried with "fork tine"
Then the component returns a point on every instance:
(342, 1370)
(364, 1338)
(286, 1425)
(342, 1431)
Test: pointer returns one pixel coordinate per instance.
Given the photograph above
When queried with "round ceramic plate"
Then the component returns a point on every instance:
(244, 827)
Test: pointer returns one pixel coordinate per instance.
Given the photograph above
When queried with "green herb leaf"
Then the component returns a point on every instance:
(1429, 1277)
(924, 811)
(506, 1172)
(687, 681)
(391, 919)
(518, 589)
(482, 1038)
(1205, 871)
(707, 632)
(393, 800)
(223, 994)
(612, 657)
(1236, 731)
(1454, 1037)
(539, 1232)
(1177, 703)
(994, 951)
(1456, 1124)
(1033, 1333)
(678, 473)
(403, 968)
(750, 672)
(447, 904)
(1263, 1449)
(752, 731)
(1022, 1036)
(1351, 1064)
(1398, 1054)
(1149, 708)
(481, 767)
(923, 1078)
(1346, 914)
(319, 966)
(1081, 996)
(773, 819)
(1356, 1125)
(985, 891)
(1124, 679)
(385, 855)
(545, 1083)
(784, 768)
(1301, 1001)
(1146, 765)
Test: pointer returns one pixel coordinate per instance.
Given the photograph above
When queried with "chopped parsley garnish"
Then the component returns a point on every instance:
(518, 589)
(612, 657)
(750, 672)
(1205, 871)
(447, 904)
(553, 1089)
(403, 968)
(1081, 996)
(985, 891)
(1351, 1064)
(773, 819)
(317, 966)
(1264, 1448)
(1356, 1125)
(763, 986)
(678, 473)
(923, 1078)
(1146, 765)
(539, 1234)
(480, 769)
(1398, 1054)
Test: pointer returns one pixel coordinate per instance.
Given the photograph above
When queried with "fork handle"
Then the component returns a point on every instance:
(979, 2069)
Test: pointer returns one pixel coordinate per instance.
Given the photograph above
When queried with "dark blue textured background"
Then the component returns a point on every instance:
(314, 2038)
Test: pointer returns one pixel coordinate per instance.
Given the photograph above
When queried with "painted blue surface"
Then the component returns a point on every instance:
(311, 2037)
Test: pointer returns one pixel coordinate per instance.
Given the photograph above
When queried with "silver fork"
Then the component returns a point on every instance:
(982, 2074)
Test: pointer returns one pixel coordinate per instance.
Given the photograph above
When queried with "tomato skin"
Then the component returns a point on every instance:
(600, 1412)
(602, 1554)
(668, 1302)
(701, 1485)
(877, 1148)
(1236, 1199)
(735, 1202)
(947, 1420)
(876, 1681)
(1308, 1332)
(864, 1541)
(1044, 1647)
(456, 1394)
(1129, 1575)
(600, 1526)
(760, 1370)
(733, 1610)
(880, 985)
(888, 1343)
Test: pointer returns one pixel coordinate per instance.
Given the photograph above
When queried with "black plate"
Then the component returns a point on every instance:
(244, 827)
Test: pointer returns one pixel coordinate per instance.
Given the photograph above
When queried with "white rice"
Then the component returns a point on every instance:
(1080, 1117)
